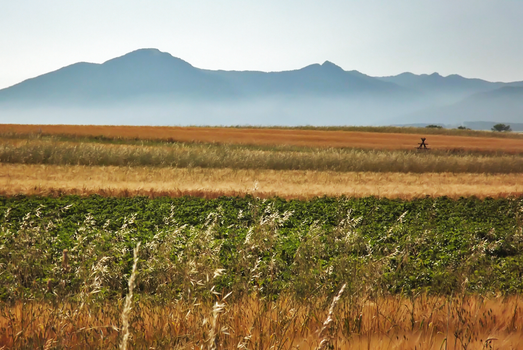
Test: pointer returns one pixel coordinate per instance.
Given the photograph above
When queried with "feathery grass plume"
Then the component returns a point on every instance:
(128, 302)
(326, 338)
(65, 260)
(216, 310)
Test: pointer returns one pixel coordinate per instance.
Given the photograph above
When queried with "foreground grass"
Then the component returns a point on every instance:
(250, 273)
(356, 322)
(181, 155)
(51, 180)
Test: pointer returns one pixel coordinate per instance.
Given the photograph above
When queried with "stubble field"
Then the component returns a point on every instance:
(260, 238)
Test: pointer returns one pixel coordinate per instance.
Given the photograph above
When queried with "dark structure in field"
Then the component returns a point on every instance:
(422, 144)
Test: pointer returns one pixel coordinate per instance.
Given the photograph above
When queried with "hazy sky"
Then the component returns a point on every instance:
(474, 38)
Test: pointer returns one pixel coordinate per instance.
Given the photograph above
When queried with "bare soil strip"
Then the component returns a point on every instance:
(209, 183)
(294, 137)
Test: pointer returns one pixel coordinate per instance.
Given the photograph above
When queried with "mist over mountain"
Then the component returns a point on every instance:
(150, 87)
(504, 105)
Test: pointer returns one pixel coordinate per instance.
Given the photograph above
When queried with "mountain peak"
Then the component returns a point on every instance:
(330, 65)
(147, 52)
(148, 55)
(150, 50)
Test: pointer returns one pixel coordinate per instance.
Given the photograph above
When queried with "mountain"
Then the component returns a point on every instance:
(325, 79)
(146, 72)
(447, 89)
(152, 73)
(148, 86)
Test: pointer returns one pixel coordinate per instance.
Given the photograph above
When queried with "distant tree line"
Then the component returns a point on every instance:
(497, 128)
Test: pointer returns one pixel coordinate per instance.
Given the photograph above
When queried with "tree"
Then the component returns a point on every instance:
(461, 127)
(434, 126)
(501, 128)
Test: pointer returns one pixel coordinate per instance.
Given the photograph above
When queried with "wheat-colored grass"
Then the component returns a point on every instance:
(399, 138)
(464, 322)
(51, 151)
(205, 182)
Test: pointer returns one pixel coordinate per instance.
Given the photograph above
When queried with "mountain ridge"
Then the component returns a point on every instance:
(173, 90)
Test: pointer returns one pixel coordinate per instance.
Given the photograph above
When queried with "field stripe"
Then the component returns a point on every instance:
(211, 183)
(294, 137)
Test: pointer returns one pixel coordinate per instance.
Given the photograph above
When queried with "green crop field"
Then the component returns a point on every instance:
(428, 245)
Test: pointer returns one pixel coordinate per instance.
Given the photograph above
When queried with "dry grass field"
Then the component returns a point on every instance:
(428, 323)
(270, 166)
(510, 143)
(193, 155)
(211, 183)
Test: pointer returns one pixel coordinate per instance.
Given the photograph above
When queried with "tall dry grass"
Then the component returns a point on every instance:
(46, 180)
(227, 156)
(356, 322)
(129, 301)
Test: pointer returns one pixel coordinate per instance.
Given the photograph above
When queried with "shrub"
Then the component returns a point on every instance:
(501, 128)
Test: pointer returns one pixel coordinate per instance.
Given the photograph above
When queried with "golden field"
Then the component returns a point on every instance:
(289, 163)
(401, 323)
(210, 183)
(192, 155)
(398, 139)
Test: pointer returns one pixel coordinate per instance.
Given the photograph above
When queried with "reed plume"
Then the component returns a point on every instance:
(128, 302)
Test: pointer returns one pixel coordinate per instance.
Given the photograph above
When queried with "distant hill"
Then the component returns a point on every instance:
(148, 86)
(451, 88)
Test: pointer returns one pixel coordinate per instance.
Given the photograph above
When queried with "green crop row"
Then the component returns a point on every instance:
(191, 247)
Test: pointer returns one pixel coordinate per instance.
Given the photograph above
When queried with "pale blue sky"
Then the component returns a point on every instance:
(474, 38)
